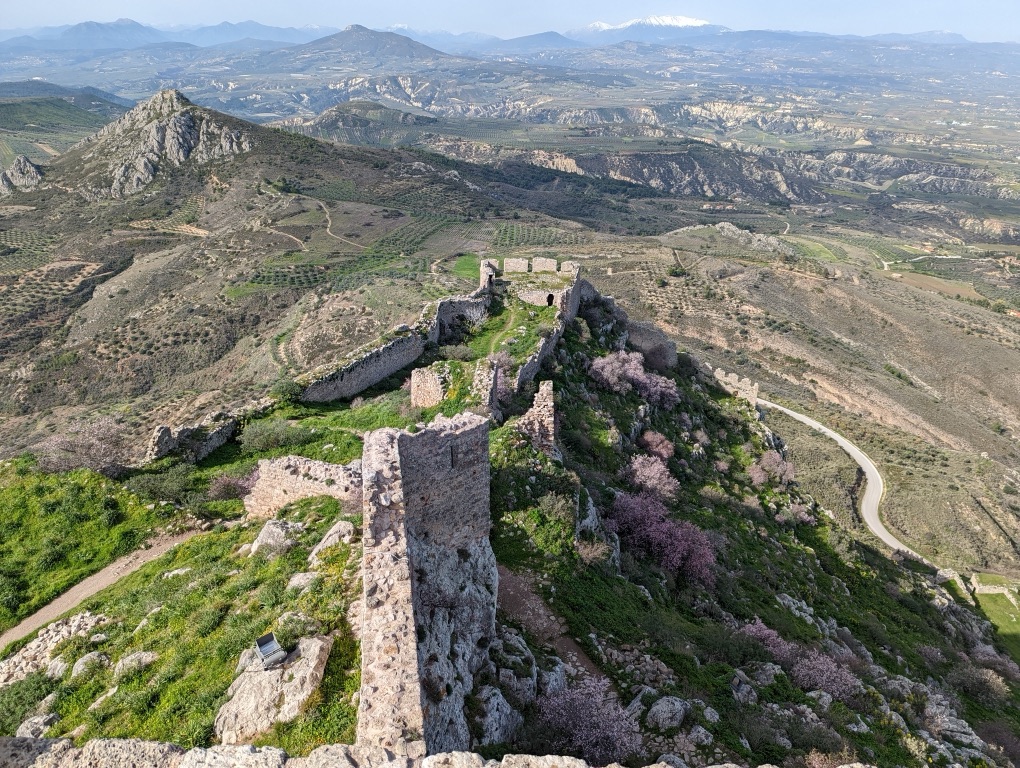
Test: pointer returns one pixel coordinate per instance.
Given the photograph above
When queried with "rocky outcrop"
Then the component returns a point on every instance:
(165, 131)
(261, 698)
(23, 174)
(133, 663)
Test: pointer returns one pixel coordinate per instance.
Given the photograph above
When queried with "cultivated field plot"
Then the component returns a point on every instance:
(510, 235)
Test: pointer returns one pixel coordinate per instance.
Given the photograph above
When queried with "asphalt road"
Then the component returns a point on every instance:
(875, 487)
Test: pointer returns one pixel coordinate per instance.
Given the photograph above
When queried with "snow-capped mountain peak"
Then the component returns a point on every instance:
(650, 21)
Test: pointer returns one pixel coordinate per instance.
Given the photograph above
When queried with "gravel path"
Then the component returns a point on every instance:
(875, 488)
(83, 590)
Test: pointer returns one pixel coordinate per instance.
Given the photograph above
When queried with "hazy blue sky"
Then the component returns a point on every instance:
(977, 19)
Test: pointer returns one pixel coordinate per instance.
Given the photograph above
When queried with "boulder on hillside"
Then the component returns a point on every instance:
(342, 531)
(261, 698)
(275, 538)
(88, 661)
(668, 712)
(134, 662)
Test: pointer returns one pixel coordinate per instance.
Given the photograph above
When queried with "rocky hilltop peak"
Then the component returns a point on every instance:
(167, 130)
(23, 174)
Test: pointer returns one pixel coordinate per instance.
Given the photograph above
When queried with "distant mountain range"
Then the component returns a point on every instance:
(126, 34)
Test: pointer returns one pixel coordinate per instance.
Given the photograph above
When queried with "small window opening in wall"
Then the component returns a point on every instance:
(549, 300)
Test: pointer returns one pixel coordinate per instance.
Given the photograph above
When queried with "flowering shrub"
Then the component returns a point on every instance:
(224, 487)
(650, 473)
(646, 529)
(657, 444)
(100, 445)
(621, 372)
(809, 669)
(587, 720)
(797, 513)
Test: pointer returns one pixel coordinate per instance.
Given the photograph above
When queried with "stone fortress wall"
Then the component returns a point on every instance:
(291, 478)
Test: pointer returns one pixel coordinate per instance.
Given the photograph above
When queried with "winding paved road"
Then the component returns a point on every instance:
(875, 488)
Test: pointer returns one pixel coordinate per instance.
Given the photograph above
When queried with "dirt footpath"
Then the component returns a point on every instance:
(83, 590)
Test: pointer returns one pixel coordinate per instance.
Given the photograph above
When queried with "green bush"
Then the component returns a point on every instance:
(176, 484)
(259, 436)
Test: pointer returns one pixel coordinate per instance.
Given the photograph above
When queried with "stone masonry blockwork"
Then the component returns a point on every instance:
(430, 583)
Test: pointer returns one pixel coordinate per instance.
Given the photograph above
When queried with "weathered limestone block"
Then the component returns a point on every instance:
(134, 662)
(499, 721)
(275, 538)
(342, 531)
(260, 698)
(668, 712)
(357, 756)
(570, 267)
(35, 727)
(291, 478)
(539, 264)
(117, 753)
(515, 265)
(245, 756)
(539, 423)
(89, 661)
(427, 387)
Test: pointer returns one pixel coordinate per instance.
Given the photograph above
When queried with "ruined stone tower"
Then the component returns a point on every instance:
(430, 583)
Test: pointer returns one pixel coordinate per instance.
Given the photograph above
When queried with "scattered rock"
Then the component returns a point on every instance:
(178, 572)
(35, 656)
(552, 680)
(56, 668)
(668, 712)
(45, 706)
(133, 663)
(342, 531)
(711, 715)
(275, 538)
(88, 661)
(743, 691)
(672, 761)
(698, 735)
(824, 700)
(295, 624)
(99, 702)
(302, 581)
(766, 674)
(260, 698)
(36, 726)
(98, 638)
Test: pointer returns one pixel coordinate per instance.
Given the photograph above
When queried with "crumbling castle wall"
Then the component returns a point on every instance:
(430, 583)
(367, 370)
(196, 441)
(427, 387)
(539, 423)
(738, 387)
(290, 478)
